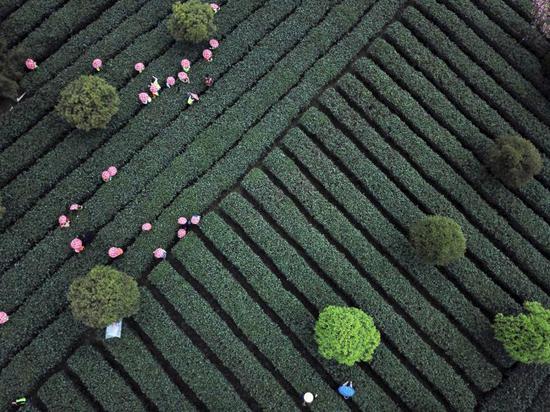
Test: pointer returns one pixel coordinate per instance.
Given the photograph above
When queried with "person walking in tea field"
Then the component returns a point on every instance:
(346, 390)
(208, 80)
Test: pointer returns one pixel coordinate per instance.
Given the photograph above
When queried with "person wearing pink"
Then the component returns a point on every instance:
(214, 44)
(215, 7)
(207, 55)
(3, 318)
(31, 64)
(181, 233)
(106, 176)
(75, 207)
(77, 245)
(192, 98)
(170, 81)
(160, 253)
(183, 77)
(139, 67)
(96, 64)
(63, 221)
(112, 170)
(146, 227)
(115, 252)
(144, 98)
(154, 90)
(185, 65)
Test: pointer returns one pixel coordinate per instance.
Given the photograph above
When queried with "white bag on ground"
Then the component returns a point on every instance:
(113, 330)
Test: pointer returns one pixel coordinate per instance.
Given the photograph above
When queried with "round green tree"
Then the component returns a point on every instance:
(192, 21)
(347, 335)
(438, 240)
(88, 102)
(514, 160)
(103, 296)
(526, 337)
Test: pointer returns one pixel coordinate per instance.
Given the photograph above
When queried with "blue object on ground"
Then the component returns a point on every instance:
(346, 391)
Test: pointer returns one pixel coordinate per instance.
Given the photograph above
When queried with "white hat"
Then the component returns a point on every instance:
(308, 397)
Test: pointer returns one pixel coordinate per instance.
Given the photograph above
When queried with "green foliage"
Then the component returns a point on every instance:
(347, 335)
(438, 240)
(88, 103)
(11, 71)
(103, 296)
(192, 21)
(514, 160)
(526, 337)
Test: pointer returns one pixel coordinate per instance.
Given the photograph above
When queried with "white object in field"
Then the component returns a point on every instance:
(113, 330)
(20, 97)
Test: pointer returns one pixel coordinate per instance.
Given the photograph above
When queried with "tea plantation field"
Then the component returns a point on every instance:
(332, 125)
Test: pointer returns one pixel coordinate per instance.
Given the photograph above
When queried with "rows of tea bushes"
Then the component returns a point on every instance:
(441, 195)
(236, 349)
(60, 393)
(49, 300)
(527, 255)
(361, 291)
(506, 115)
(371, 258)
(284, 281)
(461, 144)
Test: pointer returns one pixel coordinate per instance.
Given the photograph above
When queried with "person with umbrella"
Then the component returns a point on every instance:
(346, 389)
(308, 398)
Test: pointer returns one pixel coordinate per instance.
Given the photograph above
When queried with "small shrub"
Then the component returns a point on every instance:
(192, 21)
(347, 335)
(103, 296)
(438, 240)
(526, 337)
(514, 160)
(88, 102)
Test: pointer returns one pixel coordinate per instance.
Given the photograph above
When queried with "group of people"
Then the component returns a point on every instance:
(346, 390)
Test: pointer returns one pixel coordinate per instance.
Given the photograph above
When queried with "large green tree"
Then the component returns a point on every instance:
(103, 296)
(526, 337)
(192, 21)
(438, 240)
(88, 102)
(347, 335)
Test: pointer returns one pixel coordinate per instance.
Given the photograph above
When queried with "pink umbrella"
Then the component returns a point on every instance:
(3, 318)
(115, 252)
(31, 64)
(159, 253)
(207, 55)
(183, 77)
(214, 44)
(146, 227)
(195, 219)
(182, 220)
(106, 176)
(96, 64)
(144, 98)
(215, 7)
(139, 67)
(112, 170)
(75, 206)
(185, 65)
(63, 221)
(153, 88)
(170, 81)
(181, 233)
